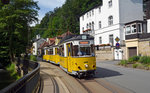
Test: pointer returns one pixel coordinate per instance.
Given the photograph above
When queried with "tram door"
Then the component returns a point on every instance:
(69, 57)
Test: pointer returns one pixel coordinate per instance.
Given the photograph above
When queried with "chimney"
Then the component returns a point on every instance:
(38, 36)
(47, 39)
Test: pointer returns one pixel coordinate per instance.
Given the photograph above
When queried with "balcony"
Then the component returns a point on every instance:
(89, 31)
(140, 36)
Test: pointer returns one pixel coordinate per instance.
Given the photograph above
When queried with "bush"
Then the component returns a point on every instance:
(123, 63)
(134, 59)
(12, 70)
(33, 58)
(145, 59)
(134, 65)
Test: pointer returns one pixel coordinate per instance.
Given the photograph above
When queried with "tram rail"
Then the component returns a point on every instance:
(92, 89)
(55, 84)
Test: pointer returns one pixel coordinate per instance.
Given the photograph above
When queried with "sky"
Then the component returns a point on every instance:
(48, 5)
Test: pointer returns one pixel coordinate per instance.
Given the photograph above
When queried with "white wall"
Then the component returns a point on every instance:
(35, 48)
(106, 12)
(105, 36)
(123, 11)
(148, 26)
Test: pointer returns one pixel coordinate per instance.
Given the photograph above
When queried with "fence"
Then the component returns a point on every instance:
(28, 83)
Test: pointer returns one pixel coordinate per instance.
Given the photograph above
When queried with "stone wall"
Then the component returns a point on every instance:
(124, 53)
(105, 54)
(144, 48)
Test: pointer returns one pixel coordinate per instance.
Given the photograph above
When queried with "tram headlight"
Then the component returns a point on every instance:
(86, 65)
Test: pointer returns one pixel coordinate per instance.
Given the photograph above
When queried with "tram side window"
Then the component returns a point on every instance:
(75, 50)
(48, 52)
(61, 51)
(92, 50)
(51, 51)
(57, 51)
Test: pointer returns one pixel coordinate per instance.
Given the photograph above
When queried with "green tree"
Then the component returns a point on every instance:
(64, 18)
(15, 18)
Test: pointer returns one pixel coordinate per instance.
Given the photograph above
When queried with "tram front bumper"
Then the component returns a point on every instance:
(86, 72)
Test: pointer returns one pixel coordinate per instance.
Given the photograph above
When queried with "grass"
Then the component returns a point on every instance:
(33, 58)
(145, 59)
(134, 59)
(142, 62)
(12, 70)
(135, 65)
(123, 63)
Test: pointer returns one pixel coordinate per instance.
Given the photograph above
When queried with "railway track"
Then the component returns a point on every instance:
(93, 85)
(65, 83)
(55, 84)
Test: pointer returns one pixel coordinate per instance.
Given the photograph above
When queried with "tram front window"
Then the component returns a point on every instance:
(85, 51)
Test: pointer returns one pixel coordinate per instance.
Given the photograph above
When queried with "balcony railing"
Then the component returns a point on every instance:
(89, 31)
(139, 36)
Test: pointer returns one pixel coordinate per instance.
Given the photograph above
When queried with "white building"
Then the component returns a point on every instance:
(37, 42)
(105, 22)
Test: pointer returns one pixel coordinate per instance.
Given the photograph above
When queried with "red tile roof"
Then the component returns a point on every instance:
(44, 44)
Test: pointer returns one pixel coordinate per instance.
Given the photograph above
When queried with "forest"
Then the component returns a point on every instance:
(15, 17)
(63, 19)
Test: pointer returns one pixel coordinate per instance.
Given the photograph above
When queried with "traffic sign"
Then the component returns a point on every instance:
(117, 39)
(117, 45)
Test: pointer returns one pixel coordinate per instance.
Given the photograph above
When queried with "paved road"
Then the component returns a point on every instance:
(132, 80)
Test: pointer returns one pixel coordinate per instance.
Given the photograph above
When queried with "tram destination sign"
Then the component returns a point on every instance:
(84, 42)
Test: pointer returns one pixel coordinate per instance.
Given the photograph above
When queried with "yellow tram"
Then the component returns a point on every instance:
(76, 55)
(51, 54)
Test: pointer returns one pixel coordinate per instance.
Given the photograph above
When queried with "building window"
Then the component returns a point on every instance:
(87, 26)
(100, 40)
(83, 17)
(99, 9)
(128, 30)
(87, 15)
(133, 28)
(110, 20)
(110, 3)
(92, 12)
(139, 28)
(100, 25)
(111, 40)
(92, 25)
(82, 28)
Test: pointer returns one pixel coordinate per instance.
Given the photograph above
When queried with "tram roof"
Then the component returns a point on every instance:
(76, 37)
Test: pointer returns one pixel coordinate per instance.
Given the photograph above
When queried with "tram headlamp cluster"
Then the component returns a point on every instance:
(86, 65)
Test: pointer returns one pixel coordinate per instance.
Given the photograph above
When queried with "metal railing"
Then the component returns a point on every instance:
(28, 83)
